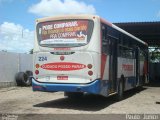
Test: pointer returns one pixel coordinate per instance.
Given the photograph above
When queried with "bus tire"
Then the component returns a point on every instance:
(29, 80)
(21, 79)
(29, 73)
(18, 79)
(73, 95)
(120, 90)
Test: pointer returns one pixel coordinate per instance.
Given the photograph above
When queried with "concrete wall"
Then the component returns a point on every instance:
(12, 63)
(25, 62)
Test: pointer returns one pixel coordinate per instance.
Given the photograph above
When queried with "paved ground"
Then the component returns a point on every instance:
(19, 100)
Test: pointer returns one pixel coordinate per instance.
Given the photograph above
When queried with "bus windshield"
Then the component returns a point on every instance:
(64, 33)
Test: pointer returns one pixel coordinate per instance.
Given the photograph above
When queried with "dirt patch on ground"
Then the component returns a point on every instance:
(19, 100)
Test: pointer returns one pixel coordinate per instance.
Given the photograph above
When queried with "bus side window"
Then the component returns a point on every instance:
(105, 41)
(142, 56)
(125, 52)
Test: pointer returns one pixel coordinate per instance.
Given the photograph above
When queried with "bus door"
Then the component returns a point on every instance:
(109, 48)
(113, 64)
(137, 56)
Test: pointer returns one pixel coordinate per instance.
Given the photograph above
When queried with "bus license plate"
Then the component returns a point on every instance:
(62, 77)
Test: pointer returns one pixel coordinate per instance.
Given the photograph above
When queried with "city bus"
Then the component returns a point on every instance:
(79, 54)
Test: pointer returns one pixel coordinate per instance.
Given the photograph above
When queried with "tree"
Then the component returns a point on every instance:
(155, 55)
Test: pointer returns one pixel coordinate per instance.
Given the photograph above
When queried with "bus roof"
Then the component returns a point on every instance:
(82, 16)
(128, 34)
(123, 31)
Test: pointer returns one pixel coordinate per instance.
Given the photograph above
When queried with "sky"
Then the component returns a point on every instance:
(17, 17)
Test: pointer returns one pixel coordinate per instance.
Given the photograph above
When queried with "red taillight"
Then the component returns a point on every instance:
(37, 66)
(90, 73)
(36, 72)
(89, 66)
(62, 58)
(37, 86)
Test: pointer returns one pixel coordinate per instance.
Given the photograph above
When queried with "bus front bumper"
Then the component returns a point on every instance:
(95, 87)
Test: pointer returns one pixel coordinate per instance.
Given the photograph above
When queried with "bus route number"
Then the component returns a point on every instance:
(42, 58)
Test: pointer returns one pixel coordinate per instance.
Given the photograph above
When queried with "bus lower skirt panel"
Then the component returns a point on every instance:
(96, 87)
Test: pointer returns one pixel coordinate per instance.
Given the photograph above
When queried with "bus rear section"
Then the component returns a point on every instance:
(67, 55)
